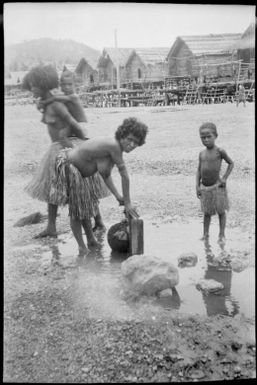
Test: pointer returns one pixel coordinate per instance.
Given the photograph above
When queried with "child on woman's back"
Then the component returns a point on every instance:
(70, 99)
(210, 187)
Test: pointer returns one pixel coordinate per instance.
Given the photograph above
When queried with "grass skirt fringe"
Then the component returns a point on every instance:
(101, 189)
(214, 200)
(40, 187)
(69, 186)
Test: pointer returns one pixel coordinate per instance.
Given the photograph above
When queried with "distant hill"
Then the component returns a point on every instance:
(24, 55)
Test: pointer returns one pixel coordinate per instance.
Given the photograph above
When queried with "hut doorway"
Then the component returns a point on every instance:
(139, 73)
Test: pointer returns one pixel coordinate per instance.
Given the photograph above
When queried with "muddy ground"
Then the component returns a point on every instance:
(50, 336)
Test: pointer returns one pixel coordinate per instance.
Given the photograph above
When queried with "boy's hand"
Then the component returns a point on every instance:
(198, 192)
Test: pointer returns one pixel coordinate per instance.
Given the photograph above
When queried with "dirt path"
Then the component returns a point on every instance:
(48, 335)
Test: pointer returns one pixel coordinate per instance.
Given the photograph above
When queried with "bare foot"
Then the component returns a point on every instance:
(93, 244)
(205, 237)
(46, 233)
(222, 239)
(99, 227)
(83, 251)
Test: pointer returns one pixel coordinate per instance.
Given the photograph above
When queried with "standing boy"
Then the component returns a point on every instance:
(210, 187)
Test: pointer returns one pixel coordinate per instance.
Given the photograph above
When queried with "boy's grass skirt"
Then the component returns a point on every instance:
(70, 187)
(41, 185)
(214, 199)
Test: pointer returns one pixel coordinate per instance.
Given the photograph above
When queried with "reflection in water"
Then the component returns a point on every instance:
(172, 302)
(220, 270)
(117, 257)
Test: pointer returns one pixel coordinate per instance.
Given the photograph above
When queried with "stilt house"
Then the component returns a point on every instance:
(86, 73)
(246, 48)
(203, 57)
(107, 65)
(146, 65)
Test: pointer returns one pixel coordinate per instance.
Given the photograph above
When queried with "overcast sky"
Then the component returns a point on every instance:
(137, 24)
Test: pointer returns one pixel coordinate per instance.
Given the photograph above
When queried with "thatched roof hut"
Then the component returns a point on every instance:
(86, 75)
(146, 64)
(108, 61)
(189, 55)
(246, 45)
(152, 56)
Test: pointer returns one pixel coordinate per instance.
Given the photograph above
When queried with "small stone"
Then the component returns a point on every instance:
(236, 346)
(209, 286)
(165, 293)
(85, 370)
(187, 260)
(197, 374)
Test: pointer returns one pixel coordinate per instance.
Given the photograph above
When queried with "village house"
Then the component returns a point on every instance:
(203, 56)
(146, 65)
(246, 50)
(86, 73)
(107, 65)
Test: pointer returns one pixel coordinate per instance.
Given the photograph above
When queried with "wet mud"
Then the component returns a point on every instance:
(229, 264)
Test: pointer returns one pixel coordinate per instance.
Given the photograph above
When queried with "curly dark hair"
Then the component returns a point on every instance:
(44, 77)
(210, 126)
(134, 127)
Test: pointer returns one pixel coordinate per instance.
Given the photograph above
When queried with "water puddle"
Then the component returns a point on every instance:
(99, 277)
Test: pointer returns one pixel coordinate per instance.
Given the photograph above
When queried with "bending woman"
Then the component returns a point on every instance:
(74, 166)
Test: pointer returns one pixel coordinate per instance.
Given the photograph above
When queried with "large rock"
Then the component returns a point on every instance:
(148, 274)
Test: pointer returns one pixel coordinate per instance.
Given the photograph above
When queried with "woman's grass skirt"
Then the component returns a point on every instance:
(214, 200)
(41, 186)
(70, 187)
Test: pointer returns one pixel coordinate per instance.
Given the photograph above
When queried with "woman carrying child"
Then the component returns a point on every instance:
(75, 108)
(64, 131)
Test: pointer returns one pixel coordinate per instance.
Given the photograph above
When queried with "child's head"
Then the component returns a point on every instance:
(209, 126)
(208, 134)
(67, 82)
(43, 77)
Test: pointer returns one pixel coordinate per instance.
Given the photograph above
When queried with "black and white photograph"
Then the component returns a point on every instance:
(129, 192)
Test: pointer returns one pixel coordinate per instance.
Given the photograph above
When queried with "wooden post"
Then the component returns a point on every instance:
(117, 68)
(136, 235)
